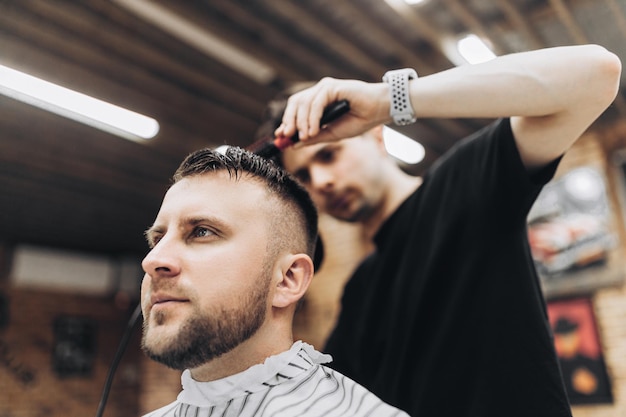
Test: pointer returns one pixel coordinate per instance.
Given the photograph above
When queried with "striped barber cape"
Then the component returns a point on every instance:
(293, 383)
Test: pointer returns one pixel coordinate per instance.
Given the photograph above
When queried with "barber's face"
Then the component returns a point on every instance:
(206, 282)
(344, 178)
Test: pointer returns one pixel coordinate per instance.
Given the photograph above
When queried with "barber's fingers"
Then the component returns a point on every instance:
(295, 117)
(306, 116)
(369, 106)
(304, 110)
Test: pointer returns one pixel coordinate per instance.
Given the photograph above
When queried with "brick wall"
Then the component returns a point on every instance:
(30, 387)
(609, 303)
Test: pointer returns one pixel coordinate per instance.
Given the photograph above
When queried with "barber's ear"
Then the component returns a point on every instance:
(377, 133)
(297, 273)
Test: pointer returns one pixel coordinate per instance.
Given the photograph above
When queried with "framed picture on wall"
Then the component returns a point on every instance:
(74, 346)
(571, 236)
(578, 346)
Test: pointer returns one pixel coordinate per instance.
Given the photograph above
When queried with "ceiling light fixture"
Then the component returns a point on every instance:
(474, 50)
(402, 147)
(76, 106)
(201, 39)
(466, 49)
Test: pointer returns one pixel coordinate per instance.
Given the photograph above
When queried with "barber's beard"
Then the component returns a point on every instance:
(358, 214)
(206, 336)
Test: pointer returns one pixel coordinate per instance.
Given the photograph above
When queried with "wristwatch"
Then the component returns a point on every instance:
(400, 108)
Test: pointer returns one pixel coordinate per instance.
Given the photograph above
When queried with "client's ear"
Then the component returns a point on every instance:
(297, 272)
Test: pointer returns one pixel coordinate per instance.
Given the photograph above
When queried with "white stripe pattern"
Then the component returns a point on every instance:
(293, 383)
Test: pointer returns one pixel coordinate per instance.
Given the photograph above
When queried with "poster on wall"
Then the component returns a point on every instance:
(570, 235)
(74, 346)
(578, 346)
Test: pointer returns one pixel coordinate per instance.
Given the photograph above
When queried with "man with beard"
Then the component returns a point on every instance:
(231, 251)
(446, 317)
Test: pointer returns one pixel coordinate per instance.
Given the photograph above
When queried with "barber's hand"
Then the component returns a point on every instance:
(369, 107)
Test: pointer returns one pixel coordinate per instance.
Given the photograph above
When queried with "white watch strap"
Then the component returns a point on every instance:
(400, 108)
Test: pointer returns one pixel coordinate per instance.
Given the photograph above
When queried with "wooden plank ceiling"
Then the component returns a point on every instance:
(67, 185)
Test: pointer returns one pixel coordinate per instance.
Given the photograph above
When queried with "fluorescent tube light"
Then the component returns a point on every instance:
(402, 147)
(76, 106)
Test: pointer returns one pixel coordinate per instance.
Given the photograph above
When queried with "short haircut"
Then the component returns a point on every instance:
(238, 162)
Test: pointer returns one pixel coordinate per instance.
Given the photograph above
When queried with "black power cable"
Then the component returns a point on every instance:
(134, 318)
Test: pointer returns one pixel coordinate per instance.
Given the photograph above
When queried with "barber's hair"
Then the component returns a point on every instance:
(238, 163)
(273, 114)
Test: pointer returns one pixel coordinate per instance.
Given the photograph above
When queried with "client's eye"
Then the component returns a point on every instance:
(152, 242)
(202, 232)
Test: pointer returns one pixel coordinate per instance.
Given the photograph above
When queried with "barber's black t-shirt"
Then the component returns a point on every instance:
(446, 317)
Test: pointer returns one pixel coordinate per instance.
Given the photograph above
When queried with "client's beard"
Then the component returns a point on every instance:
(206, 336)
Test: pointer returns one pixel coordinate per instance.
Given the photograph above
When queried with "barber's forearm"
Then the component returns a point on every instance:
(537, 83)
(548, 89)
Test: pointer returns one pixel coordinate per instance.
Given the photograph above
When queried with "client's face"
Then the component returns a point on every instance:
(206, 282)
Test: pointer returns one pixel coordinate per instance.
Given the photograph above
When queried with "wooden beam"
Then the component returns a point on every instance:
(326, 37)
(521, 24)
(96, 158)
(428, 31)
(618, 14)
(474, 24)
(138, 53)
(265, 39)
(408, 56)
(567, 18)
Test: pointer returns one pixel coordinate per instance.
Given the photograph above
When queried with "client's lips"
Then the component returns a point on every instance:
(159, 299)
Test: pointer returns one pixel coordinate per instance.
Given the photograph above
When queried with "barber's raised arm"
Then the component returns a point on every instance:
(552, 96)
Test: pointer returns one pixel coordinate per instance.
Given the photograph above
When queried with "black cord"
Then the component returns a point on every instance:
(134, 318)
